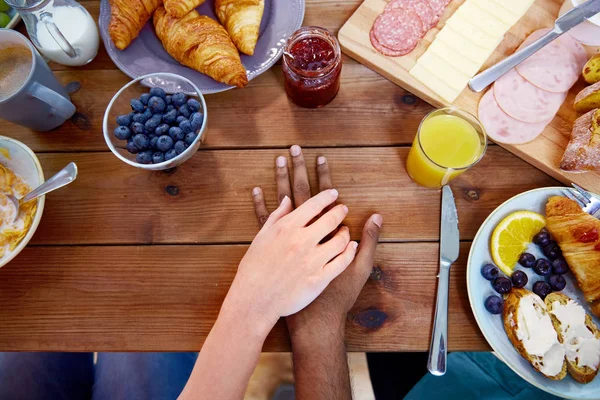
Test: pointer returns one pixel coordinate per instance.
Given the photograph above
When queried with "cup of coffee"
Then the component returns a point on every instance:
(30, 95)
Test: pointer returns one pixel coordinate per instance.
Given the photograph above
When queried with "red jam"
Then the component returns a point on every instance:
(312, 65)
(588, 237)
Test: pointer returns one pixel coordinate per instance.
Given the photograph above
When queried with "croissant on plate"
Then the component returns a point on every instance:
(201, 43)
(242, 20)
(127, 18)
(178, 8)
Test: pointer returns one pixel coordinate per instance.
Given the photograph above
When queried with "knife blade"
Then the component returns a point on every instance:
(449, 251)
(569, 20)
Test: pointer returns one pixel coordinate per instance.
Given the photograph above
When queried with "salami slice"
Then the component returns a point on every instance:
(554, 68)
(525, 101)
(438, 6)
(501, 127)
(420, 7)
(398, 30)
(384, 50)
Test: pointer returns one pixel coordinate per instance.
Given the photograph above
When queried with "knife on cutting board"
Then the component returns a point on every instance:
(449, 250)
(569, 20)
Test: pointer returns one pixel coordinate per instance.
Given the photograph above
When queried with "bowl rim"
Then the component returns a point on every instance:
(164, 164)
(40, 203)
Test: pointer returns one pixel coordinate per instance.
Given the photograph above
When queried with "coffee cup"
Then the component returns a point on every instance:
(30, 95)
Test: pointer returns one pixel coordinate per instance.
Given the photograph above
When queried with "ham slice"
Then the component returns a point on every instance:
(501, 127)
(525, 101)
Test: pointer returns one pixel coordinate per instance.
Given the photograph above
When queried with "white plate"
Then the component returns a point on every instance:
(491, 325)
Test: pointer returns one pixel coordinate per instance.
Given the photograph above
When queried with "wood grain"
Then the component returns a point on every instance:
(207, 199)
(544, 152)
(166, 298)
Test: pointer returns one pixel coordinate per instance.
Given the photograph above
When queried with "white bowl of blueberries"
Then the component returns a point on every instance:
(156, 121)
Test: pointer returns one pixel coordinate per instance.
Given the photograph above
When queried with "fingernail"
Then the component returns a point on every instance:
(355, 245)
(285, 200)
(334, 193)
(281, 161)
(295, 150)
(321, 160)
(378, 220)
(256, 191)
(345, 209)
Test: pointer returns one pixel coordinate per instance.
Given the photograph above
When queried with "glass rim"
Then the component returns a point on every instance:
(323, 33)
(452, 108)
(25, 7)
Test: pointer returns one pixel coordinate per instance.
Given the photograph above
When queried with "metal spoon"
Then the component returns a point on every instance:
(62, 178)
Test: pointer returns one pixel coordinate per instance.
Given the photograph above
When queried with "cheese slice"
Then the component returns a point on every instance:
(518, 7)
(472, 33)
(444, 70)
(507, 16)
(482, 19)
(454, 58)
(435, 84)
(463, 47)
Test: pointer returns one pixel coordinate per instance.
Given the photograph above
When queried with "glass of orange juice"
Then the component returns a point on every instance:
(449, 142)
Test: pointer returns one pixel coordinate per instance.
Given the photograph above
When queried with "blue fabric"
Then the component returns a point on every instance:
(476, 376)
(73, 376)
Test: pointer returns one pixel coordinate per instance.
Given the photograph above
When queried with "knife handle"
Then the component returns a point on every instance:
(436, 363)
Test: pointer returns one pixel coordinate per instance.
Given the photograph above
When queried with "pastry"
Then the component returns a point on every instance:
(242, 20)
(199, 42)
(583, 150)
(127, 18)
(178, 8)
(588, 99)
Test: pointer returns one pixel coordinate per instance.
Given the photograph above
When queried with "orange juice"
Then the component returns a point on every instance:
(445, 146)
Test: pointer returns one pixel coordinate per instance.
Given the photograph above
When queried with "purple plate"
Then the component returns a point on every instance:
(146, 54)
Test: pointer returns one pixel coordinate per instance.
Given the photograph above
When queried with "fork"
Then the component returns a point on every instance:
(589, 203)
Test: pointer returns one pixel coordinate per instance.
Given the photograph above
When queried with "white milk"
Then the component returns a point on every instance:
(78, 27)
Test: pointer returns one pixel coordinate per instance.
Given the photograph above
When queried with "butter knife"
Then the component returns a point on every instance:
(449, 249)
(569, 20)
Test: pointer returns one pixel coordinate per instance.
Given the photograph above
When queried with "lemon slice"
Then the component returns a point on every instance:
(512, 236)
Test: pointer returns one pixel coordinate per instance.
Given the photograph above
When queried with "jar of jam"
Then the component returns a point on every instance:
(312, 64)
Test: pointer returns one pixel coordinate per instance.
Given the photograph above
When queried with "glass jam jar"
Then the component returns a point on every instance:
(312, 64)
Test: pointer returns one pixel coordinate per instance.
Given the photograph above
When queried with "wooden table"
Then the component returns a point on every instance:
(129, 260)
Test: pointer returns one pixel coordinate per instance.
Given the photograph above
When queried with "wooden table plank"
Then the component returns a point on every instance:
(166, 298)
(207, 199)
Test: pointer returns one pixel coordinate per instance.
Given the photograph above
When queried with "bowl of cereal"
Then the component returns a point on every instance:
(20, 171)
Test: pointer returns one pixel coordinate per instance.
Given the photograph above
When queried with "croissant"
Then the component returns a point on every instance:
(178, 8)
(242, 20)
(127, 18)
(199, 42)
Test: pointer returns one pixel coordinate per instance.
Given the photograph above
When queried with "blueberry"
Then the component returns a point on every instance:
(170, 107)
(153, 123)
(196, 120)
(179, 99)
(148, 114)
(165, 143)
(489, 272)
(144, 98)
(170, 117)
(124, 120)
(552, 251)
(153, 142)
(519, 279)
(557, 282)
(137, 105)
(162, 129)
(132, 148)
(144, 157)
(155, 91)
(141, 141)
(140, 117)
(190, 137)
(494, 304)
(180, 146)
(156, 104)
(122, 132)
(543, 267)
(176, 133)
(193, 105)
(131, 114)
(502, 285)
(168, 99)
(542, 289)
(170, 154)
(185, 126)
(542, 239)
(179, 119)
(527, 260)
(136, 127)
(560, 266)
(185, 111)
(158, 157)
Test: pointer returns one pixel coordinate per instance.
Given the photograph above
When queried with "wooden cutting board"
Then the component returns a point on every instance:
(546, 151)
